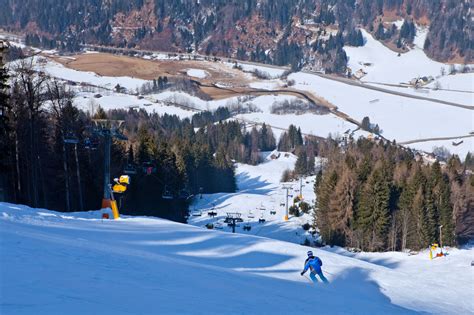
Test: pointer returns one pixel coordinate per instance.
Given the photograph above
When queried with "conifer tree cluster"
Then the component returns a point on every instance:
(291, 139)
(378, 196)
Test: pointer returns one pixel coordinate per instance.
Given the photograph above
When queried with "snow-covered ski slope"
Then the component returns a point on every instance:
(75, 263)
(260, 195)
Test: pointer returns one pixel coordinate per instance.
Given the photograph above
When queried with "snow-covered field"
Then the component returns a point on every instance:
(400, 118)
(384, 65)
(111, 100)
(76, 263)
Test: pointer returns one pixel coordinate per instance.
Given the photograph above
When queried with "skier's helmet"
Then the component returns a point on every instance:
(310, 253)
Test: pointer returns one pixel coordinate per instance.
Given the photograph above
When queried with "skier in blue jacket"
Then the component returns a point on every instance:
(314, 264)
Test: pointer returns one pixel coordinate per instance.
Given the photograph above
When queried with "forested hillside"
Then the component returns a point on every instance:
(377, 196)
(169, 158)
(300, 33)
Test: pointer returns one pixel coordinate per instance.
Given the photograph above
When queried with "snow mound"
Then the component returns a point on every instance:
(197, 73)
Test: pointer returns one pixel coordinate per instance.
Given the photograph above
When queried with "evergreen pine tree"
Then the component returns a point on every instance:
(446, 213)
(324, 194)
(341, 209)
(373, 215)
(301, 166)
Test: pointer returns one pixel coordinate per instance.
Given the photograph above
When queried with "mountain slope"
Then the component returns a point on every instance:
(74, 263)
(286, 29)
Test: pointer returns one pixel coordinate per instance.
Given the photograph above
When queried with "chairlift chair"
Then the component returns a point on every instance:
(196, 213)
(91, 143)
(70, 138)
(183, 194)
(247, 227)
(250, 215)
(148, 168)
(130, 169)
(167, 194)
(87, 143)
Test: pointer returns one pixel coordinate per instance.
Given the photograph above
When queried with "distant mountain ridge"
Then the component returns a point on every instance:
(300, 33)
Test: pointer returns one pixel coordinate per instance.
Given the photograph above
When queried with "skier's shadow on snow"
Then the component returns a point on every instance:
(384, 262)
(355, 285)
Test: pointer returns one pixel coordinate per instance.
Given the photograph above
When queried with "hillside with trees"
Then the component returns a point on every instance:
(378, 197)
(170, 159)
(299, 33)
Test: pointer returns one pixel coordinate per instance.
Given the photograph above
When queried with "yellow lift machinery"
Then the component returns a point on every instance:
(119, 187)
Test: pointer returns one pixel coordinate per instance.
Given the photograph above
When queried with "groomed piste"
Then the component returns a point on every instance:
(77, 263)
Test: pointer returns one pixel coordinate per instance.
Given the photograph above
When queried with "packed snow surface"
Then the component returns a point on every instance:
(259, 195)
(76, 263)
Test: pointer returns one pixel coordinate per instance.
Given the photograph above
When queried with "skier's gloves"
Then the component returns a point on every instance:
(302, 272)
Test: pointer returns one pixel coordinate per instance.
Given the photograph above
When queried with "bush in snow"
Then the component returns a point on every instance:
(261, 74)
(294, 211)
(286, 176)
(285, 74)
(306, 226)
(452, 69)
(305, 207)
(441, 153)
(210, 226)
(297, 106)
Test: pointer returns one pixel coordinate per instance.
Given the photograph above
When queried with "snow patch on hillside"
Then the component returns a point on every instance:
(197, 73)
(59, 71)
(384, 65)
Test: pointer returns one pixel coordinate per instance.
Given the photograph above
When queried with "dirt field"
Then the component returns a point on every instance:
(117, 65)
